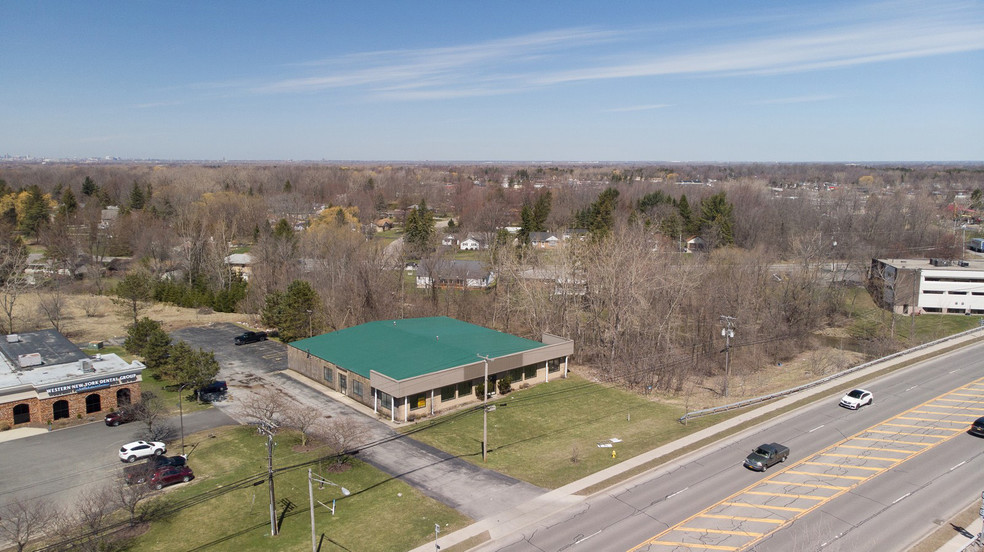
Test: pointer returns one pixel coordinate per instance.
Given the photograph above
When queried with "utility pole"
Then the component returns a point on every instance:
(268, 431)
(485, 411)
(321, 484)
(728, 332)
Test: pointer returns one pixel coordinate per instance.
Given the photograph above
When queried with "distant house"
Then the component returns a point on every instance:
(108, 216)
(575, 233)
(450, 240)
(240, 263)
(454, 274)
(470, 244)
(695, 243)
(544, 240)
(383, 224)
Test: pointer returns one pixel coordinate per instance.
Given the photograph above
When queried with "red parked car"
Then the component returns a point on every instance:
(170, 475)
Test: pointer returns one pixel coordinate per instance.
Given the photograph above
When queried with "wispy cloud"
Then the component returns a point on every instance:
(797, 99)
(865, 34)
(635, 108)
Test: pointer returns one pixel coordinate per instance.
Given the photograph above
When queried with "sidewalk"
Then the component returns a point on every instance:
(541, 507)
(21, 432)
(961, 543)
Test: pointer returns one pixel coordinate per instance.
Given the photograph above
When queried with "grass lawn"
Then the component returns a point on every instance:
(868, 319)
(220, 510)
(548, 434)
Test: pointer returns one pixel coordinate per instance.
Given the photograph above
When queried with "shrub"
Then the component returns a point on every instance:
(504, 385)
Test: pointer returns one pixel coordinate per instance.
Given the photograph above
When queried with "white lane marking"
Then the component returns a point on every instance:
(816, 428)
(676, 493)
(958, 465)
(579, 541)
(911, 388)
(901, 498)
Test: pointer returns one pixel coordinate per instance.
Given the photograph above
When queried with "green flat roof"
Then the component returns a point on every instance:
(411, 347)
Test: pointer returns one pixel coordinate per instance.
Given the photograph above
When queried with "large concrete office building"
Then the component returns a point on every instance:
(45, 378)
(915, 286)
(409, 368)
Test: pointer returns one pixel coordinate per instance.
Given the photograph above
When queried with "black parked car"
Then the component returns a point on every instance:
(250, 337)
(213, 391)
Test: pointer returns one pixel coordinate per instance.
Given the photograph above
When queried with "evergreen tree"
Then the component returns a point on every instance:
(137, 199)
(35, 212)
(687, 221)
(716, 214)
(292, 311)
(89, 187)
(69, 205)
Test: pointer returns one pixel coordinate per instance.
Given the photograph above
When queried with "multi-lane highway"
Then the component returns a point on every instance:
(879, 478)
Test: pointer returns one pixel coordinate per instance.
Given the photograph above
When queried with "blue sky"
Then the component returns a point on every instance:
(527, 81)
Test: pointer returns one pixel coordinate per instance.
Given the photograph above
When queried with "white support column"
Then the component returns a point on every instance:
(406, 409)
(565, 366)
(546, 371)
(432, 402)
(375, 401)
(392, 409)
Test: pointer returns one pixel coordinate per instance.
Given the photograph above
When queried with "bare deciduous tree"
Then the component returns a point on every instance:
(23, 520)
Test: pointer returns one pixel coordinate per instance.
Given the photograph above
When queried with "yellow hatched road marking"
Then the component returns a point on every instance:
(763, 506)
(941, 399)
(719, 531)
(876, 448)
(863, 457)
(920, 427)
(857, 477)
(692, 545)
(743, 518)
(787, 495)
(816, 486)
(967, 414)
(905, 433)
(883, 440)
(937, 420)
(811, 460)
(846, 466)
(975, 395)
(951, 407)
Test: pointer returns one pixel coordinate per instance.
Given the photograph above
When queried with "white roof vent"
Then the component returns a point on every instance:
(13, 338)
(30, 359)
(86, 365)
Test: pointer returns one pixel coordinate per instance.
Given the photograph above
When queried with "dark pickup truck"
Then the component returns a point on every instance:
(766, 456)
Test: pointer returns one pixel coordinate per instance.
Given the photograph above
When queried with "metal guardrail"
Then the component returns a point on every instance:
(748, 402)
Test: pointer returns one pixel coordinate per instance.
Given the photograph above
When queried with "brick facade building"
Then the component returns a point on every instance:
(44, 378)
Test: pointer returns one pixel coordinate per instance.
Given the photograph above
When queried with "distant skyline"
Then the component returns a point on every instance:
(652, 80)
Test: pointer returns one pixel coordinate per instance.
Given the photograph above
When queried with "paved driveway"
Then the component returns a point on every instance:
(448, 479)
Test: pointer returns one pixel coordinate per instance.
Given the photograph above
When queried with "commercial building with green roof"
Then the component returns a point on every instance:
(414, 367)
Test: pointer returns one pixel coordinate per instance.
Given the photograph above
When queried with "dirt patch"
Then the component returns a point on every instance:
(88, 318)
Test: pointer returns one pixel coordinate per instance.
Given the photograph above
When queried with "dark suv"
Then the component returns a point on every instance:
(250, 337)
(213, 391)
(170, 475)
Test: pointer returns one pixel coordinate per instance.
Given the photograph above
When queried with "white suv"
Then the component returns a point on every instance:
(140, 449)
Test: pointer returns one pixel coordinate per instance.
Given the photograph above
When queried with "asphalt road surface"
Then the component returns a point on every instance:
(887, 512)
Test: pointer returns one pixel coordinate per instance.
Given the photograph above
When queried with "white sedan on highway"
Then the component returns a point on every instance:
(856, 399)
(141, 449)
